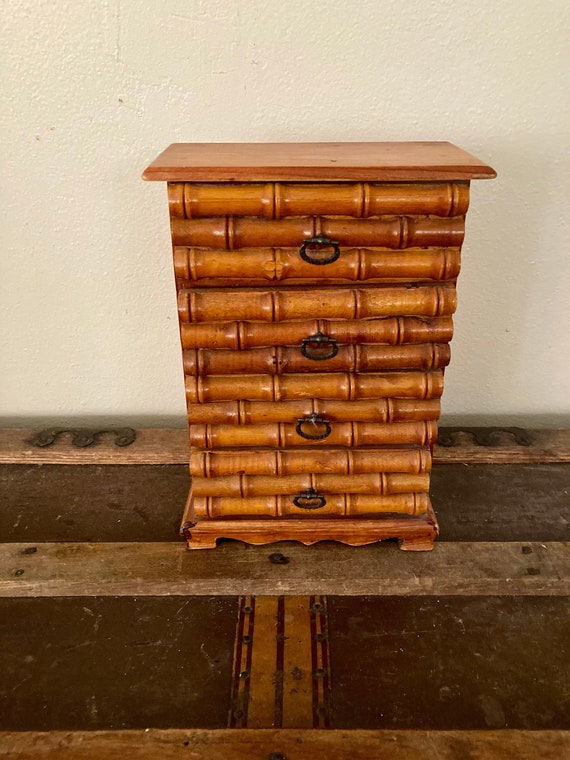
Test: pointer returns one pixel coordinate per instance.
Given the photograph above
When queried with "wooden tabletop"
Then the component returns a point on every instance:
(318, 162)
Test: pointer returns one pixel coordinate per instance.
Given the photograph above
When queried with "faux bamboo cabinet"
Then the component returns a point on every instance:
(316, 284)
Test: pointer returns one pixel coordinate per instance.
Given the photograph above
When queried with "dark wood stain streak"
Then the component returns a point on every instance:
(279, 661)
(512, 502)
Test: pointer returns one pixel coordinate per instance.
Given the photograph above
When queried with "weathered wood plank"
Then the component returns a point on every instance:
(285, 743)
(170, 446)
(165, 569)
(138, 503)
(152, 446)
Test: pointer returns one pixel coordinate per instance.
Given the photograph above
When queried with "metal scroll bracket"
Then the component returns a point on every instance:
(483, 436)
(82, 437)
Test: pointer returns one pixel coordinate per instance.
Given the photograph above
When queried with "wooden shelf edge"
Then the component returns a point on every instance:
(234, 569)
(244, 744)
(169, 446)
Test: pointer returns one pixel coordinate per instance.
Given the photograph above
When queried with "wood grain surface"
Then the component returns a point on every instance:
(373, 161)
(195, 267)
(232, 233)
(282, 744)
(273, 200)
(164, 569)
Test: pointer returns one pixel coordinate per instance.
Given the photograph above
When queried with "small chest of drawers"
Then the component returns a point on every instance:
(316, 287)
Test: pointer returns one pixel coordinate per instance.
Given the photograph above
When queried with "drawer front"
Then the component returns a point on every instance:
(315, 354)
(233, 233)
(340, 461)
(199, 267)
(250, 486)
(342, 386)
(394, 331)
(276, 200)
(338, 505)
(261, 412)
(308, 304)
(314, 432)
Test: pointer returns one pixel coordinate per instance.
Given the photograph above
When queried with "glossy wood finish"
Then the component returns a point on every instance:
(316, 285)
(245, 486)
(233, 233)
(334, 385)
(415, 533)
(352, 358)
(319, 162)
(275, 200)
(340, 505)
(284, 305)
(344, 461)
(282, 435)
(259, 412)
(394, 331)
(196, 267)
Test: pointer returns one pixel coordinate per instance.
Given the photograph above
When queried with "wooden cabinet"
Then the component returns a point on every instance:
(316, 284)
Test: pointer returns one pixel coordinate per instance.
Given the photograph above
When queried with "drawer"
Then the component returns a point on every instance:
(275, 200)
(260, 412)
(233, 233)
(198, 267)
(216, 464)
(393, 331)
(343, 386)
(249, 486)
(316, 353)
(314, 432)
(324, 303)
(338, 505)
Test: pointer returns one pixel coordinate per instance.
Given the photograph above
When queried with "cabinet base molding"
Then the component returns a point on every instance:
(413, 533)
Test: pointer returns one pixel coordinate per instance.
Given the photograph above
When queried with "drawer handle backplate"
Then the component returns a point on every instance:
(310, 252)
(319, 347)
(309, 499)
(316, 421)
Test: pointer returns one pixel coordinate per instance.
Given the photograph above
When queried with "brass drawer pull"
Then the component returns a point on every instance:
(315, 256)
(309, 499)
(319, 347)
(314, 420)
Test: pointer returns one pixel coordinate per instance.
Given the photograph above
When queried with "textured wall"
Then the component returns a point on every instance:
(95, 89)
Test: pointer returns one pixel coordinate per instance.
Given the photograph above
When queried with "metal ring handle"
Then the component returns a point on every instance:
(321, 340)
(319, 240)
(310, 499)
(313, 419)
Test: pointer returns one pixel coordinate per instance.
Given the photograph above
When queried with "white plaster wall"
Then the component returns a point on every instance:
(94, 89)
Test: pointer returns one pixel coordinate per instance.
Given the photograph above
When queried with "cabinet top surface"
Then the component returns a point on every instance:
(317, 162)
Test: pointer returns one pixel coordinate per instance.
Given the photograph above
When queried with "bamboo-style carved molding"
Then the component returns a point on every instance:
(196, 266)
(275, 200)
(336, 504)
(334, 385)
(347, 303)
(215, 464)
(232, 233)
(394, 331)
(350, 358)
(368, 410)
(282, 435)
